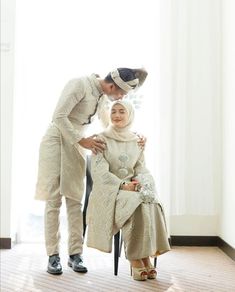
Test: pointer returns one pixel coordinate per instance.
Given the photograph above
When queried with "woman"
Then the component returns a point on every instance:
(62, 158)
(124, 197)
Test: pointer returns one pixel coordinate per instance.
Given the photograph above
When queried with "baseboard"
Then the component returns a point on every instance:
(180, 240)
(5, 243)
(226, 248)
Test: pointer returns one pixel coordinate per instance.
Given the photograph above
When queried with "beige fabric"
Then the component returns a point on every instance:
(52, 223)
(61, 159)
(144, 233)
(111, 209)
(124, 85)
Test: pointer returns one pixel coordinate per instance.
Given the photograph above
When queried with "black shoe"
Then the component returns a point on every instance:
(54, 267)
(76, 263)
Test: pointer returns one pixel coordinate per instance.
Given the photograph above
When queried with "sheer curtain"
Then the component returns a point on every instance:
(60, 40)
(190, 106)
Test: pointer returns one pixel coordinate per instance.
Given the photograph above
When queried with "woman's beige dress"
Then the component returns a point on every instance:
(138, 214)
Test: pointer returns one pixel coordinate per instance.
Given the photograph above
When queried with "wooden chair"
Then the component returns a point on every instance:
(117, 240)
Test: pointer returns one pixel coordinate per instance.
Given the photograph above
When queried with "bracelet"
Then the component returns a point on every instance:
(138, 188)
(122, 184)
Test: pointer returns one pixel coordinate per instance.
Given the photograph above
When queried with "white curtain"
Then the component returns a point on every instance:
(190, 175)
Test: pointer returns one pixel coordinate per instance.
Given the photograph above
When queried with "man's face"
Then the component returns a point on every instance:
(116, 93)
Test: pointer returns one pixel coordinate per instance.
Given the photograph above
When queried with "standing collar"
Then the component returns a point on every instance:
(95, 84)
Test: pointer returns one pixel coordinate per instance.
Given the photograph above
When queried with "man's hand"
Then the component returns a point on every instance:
(93, 143)
(142, 141)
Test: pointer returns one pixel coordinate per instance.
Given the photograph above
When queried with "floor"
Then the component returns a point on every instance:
(189, 269)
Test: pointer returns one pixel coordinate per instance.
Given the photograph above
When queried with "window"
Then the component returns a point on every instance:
(60, 40)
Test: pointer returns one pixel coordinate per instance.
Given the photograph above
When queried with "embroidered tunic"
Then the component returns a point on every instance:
(61, 159)
(138, 214)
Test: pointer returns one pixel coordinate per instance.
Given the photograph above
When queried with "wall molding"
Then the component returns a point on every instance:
(226, 248)
(181, 240)
(5, 243)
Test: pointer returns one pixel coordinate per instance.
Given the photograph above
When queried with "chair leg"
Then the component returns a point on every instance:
(85, 208)
(116, 252)
(89, 184)
(155, 262)
(84, 214)
(120, 247)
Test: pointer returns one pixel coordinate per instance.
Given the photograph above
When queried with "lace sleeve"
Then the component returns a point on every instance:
(147, 189)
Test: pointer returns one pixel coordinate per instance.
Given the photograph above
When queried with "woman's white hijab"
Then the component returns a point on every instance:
(122, 134)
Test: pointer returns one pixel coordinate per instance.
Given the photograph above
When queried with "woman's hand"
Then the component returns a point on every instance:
(130, 186)
(93, 143)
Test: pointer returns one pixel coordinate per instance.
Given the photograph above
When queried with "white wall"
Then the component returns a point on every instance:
(7, 85)
(227, 218)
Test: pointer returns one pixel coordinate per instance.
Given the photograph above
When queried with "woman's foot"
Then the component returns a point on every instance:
(152, 273)
(138, 270)
(151, 270)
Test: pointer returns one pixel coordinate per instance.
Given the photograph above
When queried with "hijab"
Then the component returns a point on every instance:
(122, 134)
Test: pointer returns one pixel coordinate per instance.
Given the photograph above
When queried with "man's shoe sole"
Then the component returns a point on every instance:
(55, 273)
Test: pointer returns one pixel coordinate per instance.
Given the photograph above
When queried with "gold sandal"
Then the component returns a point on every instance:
(151, 272)
(139, 274)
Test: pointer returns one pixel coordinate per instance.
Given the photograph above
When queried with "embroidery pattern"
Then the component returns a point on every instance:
(123, 171)
(147, 190)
